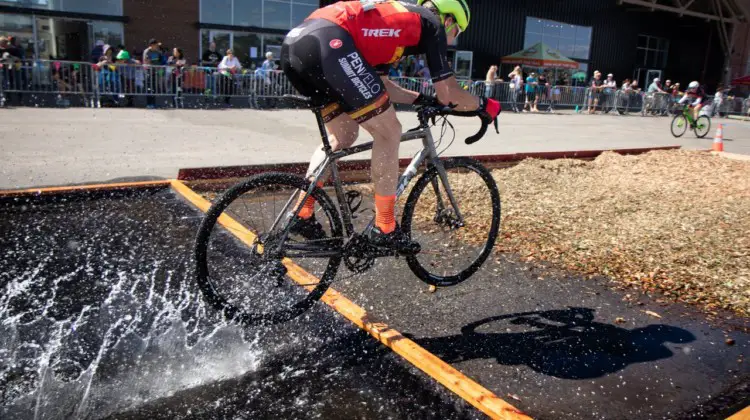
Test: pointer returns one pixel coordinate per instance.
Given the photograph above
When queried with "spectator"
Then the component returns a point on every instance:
(211, 57)
(542, 85)
(98, 51)
(269, 65)
(516, 83)
(4, 47)
(626, 86)
(230, 63)
(394, 71)
(152, 56)
(489, 82)
(177, 59)
(531, 86)
(228, 67)
(178, 62)
(609, 89)
(17, 50)
(127, 74)
(424, 72)
(668, 88)
(655, 86)
(634, 86)
(595, 89)
(164, 54)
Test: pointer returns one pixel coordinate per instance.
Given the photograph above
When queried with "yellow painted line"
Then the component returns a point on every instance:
(742, 415)
(79, 188)
(475, 394)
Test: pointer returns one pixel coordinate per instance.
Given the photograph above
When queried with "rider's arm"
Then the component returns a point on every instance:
(449, 92)
(398, 94)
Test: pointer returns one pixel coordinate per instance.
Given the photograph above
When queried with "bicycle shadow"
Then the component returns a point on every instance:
(566, 343)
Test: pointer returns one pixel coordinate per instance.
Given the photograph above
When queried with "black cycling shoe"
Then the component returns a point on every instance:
(396, 240)
(309, 229)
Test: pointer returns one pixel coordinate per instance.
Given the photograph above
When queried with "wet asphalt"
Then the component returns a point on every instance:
(101, 318)
(561, 346)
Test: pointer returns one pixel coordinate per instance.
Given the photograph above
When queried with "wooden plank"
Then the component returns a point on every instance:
(84, 188)
(741, 415)
(363, 165)
(447, 375)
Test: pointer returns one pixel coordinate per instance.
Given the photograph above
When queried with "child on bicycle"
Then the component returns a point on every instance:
(694, 93)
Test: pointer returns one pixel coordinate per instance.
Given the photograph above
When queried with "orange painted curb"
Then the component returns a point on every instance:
(473, 393)
(83, 188)
(345, 166)
(741, 415)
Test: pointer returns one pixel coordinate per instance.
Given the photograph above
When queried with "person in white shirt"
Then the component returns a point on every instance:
(230, 62)
(228, 66)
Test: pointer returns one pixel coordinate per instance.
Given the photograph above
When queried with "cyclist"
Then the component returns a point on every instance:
(341, 53)
(694, 93)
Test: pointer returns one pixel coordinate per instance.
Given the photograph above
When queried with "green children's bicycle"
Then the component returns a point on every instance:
(680, 123)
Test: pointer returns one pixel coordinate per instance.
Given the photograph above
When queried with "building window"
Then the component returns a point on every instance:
(250, 48)
(272, 14)
(22, 28)
(571, 40)
(652, 52)
(72, 39)
(101, 7)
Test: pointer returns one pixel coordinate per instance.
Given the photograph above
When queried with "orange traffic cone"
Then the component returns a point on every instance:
(719, 139)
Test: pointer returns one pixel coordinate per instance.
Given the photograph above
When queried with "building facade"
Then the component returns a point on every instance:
(630, 42)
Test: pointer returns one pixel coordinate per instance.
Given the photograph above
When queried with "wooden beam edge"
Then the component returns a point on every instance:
(463, 386)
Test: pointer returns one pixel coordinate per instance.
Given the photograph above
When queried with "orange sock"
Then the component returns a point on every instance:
(384, 219)
(308, 208)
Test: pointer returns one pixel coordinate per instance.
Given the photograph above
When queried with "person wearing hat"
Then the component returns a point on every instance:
(127, 74)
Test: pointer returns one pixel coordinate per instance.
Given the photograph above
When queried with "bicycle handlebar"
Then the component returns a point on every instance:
(431, 112)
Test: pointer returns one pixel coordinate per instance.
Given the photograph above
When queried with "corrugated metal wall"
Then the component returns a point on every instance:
(498, 26)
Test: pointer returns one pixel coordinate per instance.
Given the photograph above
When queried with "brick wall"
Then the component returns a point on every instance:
(172, 22)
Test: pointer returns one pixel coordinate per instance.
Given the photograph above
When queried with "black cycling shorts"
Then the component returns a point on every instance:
(320, 60)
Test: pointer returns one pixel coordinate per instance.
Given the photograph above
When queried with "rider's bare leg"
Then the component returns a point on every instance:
(342, 133)
(386, 132)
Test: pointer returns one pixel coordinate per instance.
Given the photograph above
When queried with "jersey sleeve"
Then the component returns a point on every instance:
(434, 44)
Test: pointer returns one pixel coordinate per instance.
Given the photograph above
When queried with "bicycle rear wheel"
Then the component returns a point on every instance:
(702, 126)
(239, 270)
(679, 125)
(453, 249)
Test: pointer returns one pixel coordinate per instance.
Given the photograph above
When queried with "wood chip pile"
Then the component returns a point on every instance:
(676, 222)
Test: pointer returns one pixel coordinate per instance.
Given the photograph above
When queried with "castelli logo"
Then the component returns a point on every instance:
(336, 44)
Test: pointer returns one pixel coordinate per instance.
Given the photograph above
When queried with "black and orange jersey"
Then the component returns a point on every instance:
(385, 31)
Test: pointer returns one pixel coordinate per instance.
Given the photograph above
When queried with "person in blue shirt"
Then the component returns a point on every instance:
(531, 88)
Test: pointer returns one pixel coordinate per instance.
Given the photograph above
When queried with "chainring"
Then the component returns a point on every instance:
(358, 254)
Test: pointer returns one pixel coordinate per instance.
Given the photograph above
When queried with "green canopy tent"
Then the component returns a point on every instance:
(541, 55)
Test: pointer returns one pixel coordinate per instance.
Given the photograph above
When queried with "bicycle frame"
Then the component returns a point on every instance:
(428, 153)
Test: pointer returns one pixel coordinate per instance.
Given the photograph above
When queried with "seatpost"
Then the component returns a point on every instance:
(322, 128)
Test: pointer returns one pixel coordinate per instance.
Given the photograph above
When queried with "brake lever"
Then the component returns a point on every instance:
(497, 129)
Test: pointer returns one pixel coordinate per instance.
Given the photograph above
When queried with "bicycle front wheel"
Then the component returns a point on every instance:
(457, 235)
(702, 126)
(679, 125)
(240, 251)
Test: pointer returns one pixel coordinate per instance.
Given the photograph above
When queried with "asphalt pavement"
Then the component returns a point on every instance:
(44, 146)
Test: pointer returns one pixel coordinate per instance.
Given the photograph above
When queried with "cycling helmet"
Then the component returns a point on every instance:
(693, 85)
(456, 8)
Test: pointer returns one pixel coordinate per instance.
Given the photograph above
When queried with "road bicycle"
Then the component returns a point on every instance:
(247, 258)
(681, 122)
